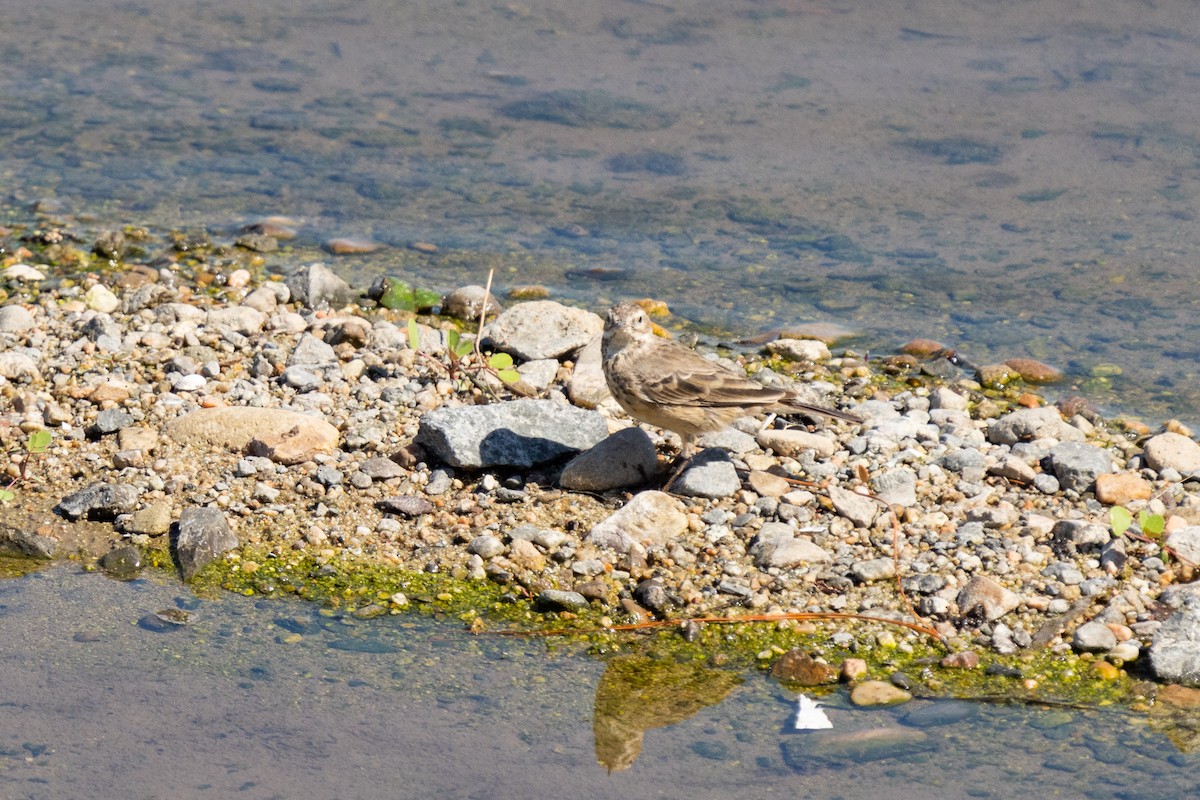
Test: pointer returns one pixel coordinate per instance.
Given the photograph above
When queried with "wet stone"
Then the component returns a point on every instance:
(938, 713)
(203, 536)
(797, 667)
(855, 747)
(558, 600)
(122, 563)
(154, 520)
(878, 693)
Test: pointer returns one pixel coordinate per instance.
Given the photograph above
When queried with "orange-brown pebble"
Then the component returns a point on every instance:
(995, 376)
(1033, 370)
(1028, 400)
(853, 669)
(966, 659)
(348, 246)
(1119, 488)
(922, 348)
(423, 247)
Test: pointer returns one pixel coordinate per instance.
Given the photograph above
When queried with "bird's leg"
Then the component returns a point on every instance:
(685, 457)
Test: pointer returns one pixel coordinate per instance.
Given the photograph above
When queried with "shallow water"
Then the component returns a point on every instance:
(1014, 179)
(273, 699)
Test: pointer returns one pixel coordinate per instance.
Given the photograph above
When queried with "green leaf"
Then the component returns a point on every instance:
(509, 376)
(457, 344)
(414, 335)
(39, 441)
(452, 340)
(6, 496)
(1120, 518)
(398, 296)
(500, 361)
(1151, 524)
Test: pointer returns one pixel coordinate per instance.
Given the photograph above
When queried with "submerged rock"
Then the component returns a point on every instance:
(204, 535)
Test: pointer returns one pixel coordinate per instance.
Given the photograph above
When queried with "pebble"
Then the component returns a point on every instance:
(709, 474)
(988, 597)
(15, 319)
(542, 329)
(519, 433)
(466, 302)
(626, 458)
(651, 518)
(204, 535)
(799, 668)
(878, 693)
(791, 442)
(1172, 451)
(1122, 488)
(1077, 465)
(1093, 637)
(859, 509)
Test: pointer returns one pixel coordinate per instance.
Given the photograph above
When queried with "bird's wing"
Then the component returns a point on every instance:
(708, 385)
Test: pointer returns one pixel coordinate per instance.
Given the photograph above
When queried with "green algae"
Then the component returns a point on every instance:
(366, 590)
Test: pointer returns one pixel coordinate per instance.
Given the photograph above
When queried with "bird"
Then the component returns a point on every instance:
(663, 383)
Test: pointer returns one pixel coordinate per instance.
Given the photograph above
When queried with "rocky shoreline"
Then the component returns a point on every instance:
(262, 417)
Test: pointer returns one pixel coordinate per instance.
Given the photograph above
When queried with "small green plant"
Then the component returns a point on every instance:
(1151, 525)
(458, 356)
(35, 444)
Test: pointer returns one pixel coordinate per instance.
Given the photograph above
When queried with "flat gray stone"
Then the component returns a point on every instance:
(204, 535)
(1028, 424)
(1186, 542)
(710, 474)
(316, 286)
(518, 433)
(896, 487)
(1093, 637)
(98, 501)
(1175, 650)
(875, 569)
(1076, 465)
(627, 458)
(558, 600)
(542, 329)
(859, 509)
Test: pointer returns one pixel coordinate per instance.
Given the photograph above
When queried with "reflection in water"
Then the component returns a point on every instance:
(636, 693)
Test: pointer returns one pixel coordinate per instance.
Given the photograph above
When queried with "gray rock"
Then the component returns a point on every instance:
(110, 420)
(16, 539)
(440, 482)
(859, 509)
(897, 486)
(203, 536)
(649, 519)
(15, 366)
(1069, 537)
(98, 501)
(316, 287)
(777, 546)
(729, 439)
(239, 319)
(709, 474)
(519, 433)
(1175, 650)
(984, 595)
(486, 546)
(1186, 542)
(1172, 451)
(311, 351)
(1028, 424)
(542, 329)
(627, 458)
(15, 319)
(962, 459)
(558, 600)
(302, 379)
(382, 469)
(407, 506)
(1077, 465)
(466, 302)
(875, 569)
(1046, 483)
(102, 326)
(539, 374)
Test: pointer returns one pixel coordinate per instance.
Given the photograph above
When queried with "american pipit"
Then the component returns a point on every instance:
(663, 383)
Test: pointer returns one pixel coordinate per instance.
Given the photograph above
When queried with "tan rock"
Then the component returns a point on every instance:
(878, 693)
(1172, 450)
(1119, 488)
(768, 484)
(792, 442)
(288, 434)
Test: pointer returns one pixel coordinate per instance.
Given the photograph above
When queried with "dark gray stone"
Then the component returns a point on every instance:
(122, 563)
(558, 600)
(518, 433)
(407, 506)
(26, 542)
(110, 420)
(1076, 465)
(203, 536)
(98, 501)
(627, 458)
(1069, 537)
